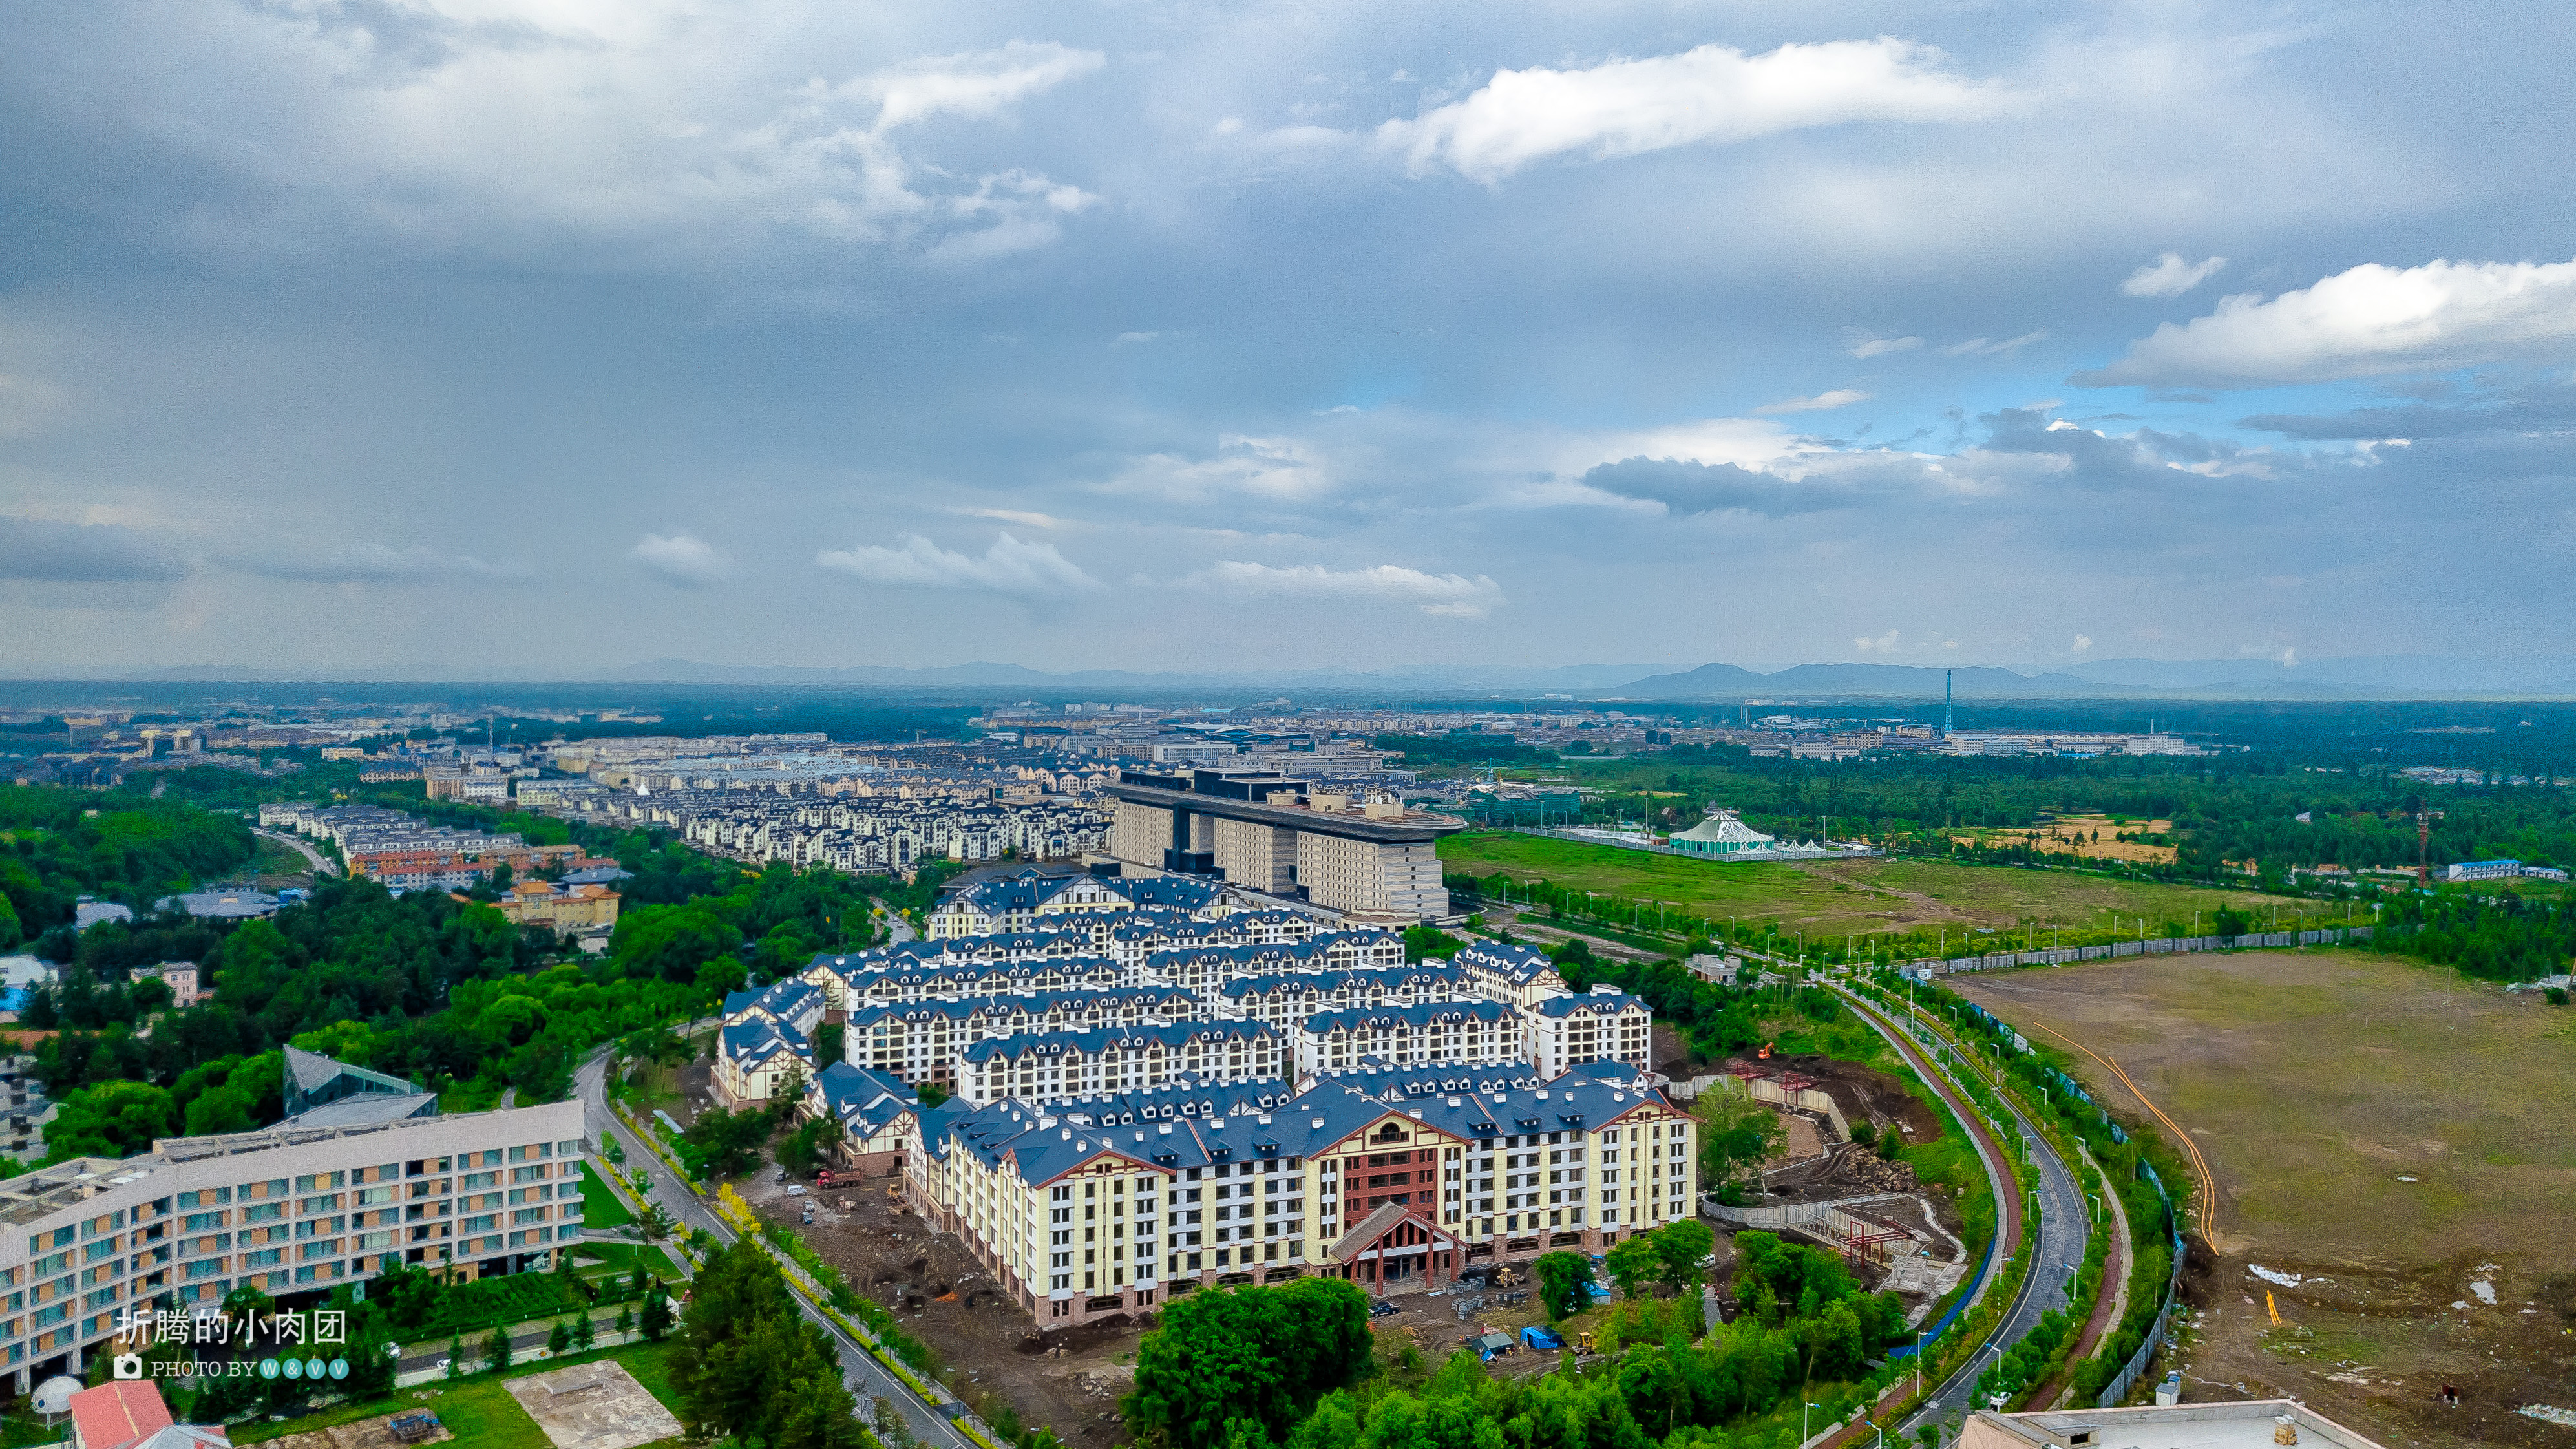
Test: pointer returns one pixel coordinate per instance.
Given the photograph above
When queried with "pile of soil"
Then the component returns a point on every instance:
(1866, 1094)
(1066, 1379)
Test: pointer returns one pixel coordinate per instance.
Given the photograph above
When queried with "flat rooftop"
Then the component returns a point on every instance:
(2237, 1424)
(1412, 827)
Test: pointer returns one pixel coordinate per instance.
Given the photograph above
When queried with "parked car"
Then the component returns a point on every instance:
(1382, 1308)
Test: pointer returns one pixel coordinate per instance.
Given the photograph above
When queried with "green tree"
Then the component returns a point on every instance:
(1682, 1245)
(456, 1357)
(1258, 1355)
(657, 1316)
(559, 1338)
(584, 1333)
(747, 1364)
(496, 1349)
(1633, 1263)
(1736, 1136)
(1564, 1283)
(111, 1119)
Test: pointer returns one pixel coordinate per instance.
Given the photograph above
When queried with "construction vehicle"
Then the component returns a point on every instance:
(1583, 1342)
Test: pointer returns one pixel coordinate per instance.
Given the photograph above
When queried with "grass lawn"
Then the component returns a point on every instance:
(600, 1205)
(1931, 898)
(621, 1258)
(478, 1410)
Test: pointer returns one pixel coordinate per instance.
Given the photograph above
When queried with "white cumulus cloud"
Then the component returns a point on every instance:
(2170, 276)
(682, 559)
(1713, 93)
(1874, 346)
(1009, 567)
(1454, 596)
(2366, 322)
(1841, 397)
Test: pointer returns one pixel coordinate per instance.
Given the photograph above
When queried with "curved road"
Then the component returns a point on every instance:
(864, 1374)
(2057, 1253)
(321, 863)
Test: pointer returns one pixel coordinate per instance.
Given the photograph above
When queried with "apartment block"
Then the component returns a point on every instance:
(1394, 1179)
(364, 1175)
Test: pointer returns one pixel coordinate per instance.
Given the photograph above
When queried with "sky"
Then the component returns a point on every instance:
(461, 336)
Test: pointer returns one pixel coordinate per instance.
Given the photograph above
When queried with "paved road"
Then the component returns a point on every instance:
(864, 1374)
(321, 863)
(897, 928)
(2058, 1237)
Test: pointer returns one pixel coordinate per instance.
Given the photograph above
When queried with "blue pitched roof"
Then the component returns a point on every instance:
(1510, 960)
(1034, 1002)
(1603, 1002)
(1099, 1039)
(1425, 1013)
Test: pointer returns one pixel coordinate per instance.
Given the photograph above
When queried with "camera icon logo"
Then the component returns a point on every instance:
(128, 1366)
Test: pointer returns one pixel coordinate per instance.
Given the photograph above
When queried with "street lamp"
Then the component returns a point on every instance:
(1802, 1421)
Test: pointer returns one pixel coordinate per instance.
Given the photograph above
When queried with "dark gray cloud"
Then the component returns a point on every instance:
(83, 553)
(2540, 407)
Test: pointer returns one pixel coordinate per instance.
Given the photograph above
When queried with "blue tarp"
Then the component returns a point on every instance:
(1541, 1338)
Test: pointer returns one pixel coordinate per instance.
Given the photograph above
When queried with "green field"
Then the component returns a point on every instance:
(600, 1206)
(478, 1410)
(1931, 898)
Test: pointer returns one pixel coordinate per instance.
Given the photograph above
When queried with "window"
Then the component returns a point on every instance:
(265, 1212)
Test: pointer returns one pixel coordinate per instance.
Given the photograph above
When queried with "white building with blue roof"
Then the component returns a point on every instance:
(1396, 1179)
(756, 1058)
(879, 1117)
(1605, 1024)
(1425, 1033)
(923, 1041)
(1509, 971)
(1015, 901)
(1053, 1065)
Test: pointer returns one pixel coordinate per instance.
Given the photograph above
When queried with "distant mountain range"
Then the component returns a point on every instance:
(2391, 676)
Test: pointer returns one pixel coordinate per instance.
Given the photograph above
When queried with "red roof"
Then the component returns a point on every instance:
(116, 1414)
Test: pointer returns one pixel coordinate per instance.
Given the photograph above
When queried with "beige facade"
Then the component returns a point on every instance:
(1261, 857)
(1368, 876)
(1090, 1219)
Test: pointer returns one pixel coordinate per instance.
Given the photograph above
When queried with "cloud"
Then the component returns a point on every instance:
(1453, 596)
(1022, 517)
(2170, 276)
(1988, 347)
(1841, 397)
(1711, 94)
(683, 560)
(1883, 644)
(2366, 322)
(376, 563)
(622, 138)
(978, 84)
(1273, 468)
(1010, 567)
(32, 548)
(1692, 488)
(1874, 346)
(2082, 643)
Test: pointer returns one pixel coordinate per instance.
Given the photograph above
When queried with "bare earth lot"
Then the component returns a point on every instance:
(2387, 1140)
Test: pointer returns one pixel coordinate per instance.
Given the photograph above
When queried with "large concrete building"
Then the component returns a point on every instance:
(1369, 859)
(365, 1174)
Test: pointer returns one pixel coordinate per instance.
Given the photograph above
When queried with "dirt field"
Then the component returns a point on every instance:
(1965, 903)
(2077, 835)
(2390, 1147)
(889, 1256)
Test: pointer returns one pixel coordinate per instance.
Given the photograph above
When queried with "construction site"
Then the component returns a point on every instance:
(1831, 1185)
